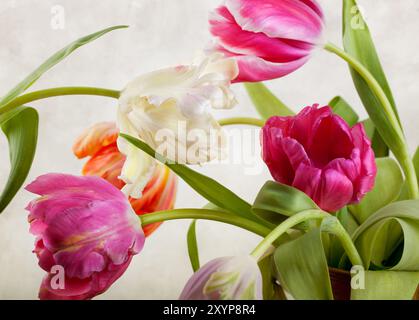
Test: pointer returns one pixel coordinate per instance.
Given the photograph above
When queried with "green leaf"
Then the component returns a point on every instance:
(388, 239)
(387, 285)
(388, 184)
(271, 290)
(266, 103)
(21, 129)
(344, 110)
(377, 143)
(193, 246)
(357, 41)
(302, 269)
(275, 202)
(205, 186)
(52, 61)
(416, 162)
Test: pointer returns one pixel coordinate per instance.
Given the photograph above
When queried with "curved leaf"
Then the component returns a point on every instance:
(388, 239)
(52, 61)
(205, 186)
(21, 129)
(193, 246)
(344, 110)
(266, 103)
(275, 202)
(388, 184)
(387, 285)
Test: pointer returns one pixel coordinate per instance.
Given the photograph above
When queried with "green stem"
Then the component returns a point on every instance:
(55, 92)
(332, 225)
(284, 227)
(403, 157)
(205, 214)
(242, 120)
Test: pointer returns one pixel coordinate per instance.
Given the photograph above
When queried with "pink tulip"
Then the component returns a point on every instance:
(269, 38)
(319, 154)
(226, 278)
(85, 226)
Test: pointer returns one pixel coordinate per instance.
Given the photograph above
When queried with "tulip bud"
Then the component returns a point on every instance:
(84, 227)
(318, 153)
(269, 38)
(227, 278)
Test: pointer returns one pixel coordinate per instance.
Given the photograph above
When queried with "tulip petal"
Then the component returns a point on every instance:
(331, 138)
(289, 19)
(107, 163)
(94, 138)
(307, 179)
(255, 69)
(335, 191)
(368, 165)
(245, 43)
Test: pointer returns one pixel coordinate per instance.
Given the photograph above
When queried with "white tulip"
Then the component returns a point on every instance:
(170, 110)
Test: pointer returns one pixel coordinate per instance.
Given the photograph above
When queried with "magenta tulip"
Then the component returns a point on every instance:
(269, 38)
(318, 153)
(226, 278)
(86, 228)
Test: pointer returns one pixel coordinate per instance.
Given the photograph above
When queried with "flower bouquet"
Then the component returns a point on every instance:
(339, 220)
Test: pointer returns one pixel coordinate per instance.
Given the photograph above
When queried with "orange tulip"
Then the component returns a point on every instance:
(99, 143)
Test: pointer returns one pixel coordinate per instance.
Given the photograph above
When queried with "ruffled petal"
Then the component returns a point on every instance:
(107, 163)
(289, 19)
(255, 69)
(368, 164)
(245, 43)
(95, 138)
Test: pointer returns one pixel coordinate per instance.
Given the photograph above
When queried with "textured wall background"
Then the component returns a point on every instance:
(164, 32)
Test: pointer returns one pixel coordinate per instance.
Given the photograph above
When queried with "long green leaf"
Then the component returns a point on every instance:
(388, 184)
(193, 246)
(21, 129)
(205, 186)
(357, 41)
(302, 269)
(387, 285)
(52, 61)
(416, 162)
(266, 103)
(344, 110)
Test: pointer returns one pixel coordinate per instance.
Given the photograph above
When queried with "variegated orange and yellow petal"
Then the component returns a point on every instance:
(95, 138)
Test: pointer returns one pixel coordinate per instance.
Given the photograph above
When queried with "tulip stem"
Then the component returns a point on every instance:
(205, 214)
(242, 120)
(55, 92)
(402, 155)
(291, 222)
(330, 224)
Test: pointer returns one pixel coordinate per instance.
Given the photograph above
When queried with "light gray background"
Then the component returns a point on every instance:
(162, 33)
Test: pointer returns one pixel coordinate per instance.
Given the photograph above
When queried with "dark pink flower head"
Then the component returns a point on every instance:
(85, 226)
(269, 38)
(317, 152)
